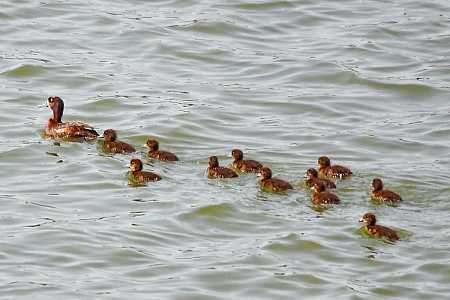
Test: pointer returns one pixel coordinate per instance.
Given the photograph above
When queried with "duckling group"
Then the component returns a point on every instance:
(318, 179)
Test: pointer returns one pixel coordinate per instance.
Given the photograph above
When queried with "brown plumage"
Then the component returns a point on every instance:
(115, 146)
(219, 172)
(248, 165)
(153, 146)
(312, 179)
(335, 171)
(321, 196)
(273, 183)
(56, 128)
(383, 195)
(378, 230)
(136, 167)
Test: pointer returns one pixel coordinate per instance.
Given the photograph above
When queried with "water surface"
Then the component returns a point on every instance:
(363, 82)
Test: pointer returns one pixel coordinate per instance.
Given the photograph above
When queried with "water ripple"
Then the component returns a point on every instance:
(364, 83)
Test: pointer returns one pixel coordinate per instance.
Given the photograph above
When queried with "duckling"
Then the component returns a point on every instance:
(335, 171)
(136, 167)
(378, 230)
(383, 195)
(321, 196)
(219, 172)
(273, 183)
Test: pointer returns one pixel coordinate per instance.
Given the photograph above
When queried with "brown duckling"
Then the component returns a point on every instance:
(335, 171)
(321, 196)
(273, 183)
(153, 146)
(383, 195)
(248, 165)
(312, 175)
(56, 128)
(378, 230)
(117, 147)
(136, 167)
(219, 172)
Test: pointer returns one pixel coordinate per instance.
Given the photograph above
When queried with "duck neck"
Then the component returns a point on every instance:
(57, 114)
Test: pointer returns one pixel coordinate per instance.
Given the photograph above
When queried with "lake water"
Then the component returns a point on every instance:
(366, 83)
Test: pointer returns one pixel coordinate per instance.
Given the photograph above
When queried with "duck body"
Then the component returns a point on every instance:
(154, 152)
(312, 176)
(247, 165)
(328, 183)
(56, 128)
(119, 147)
(146, 176)
(116, 146)
(222, 172)
(378, 230)
(325, 198)
(276, 184)
(216, 171)
(273, 183)
(163, 155)
(383, 195)
(335, 171)
(321, 196)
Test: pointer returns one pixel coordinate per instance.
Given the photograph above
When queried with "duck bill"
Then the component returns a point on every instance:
(361, 220)
(42, 105)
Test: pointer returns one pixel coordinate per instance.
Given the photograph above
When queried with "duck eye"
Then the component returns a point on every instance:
(50, 100)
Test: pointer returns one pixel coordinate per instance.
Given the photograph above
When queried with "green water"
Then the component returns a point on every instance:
(363, 82)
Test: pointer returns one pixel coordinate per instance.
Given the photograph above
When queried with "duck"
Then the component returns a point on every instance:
(335, 171)
(117, 147)
(136, 170)
(56, 128)
(312, 176)
(383, 195)
(215, 171)
(153, 146)
(273, 183)
(321, 196)
(378, 230)
(248, 165)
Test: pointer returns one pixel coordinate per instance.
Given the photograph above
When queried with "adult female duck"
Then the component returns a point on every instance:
(56, 128)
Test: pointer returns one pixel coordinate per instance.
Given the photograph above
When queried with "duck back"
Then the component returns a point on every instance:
(119, 147)
(325, 198)
(247, 165)
(163, 155)
(221, 172)
(329, 184)
(276, 184)
(380, 231)
(146, 176)
(385, 195)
